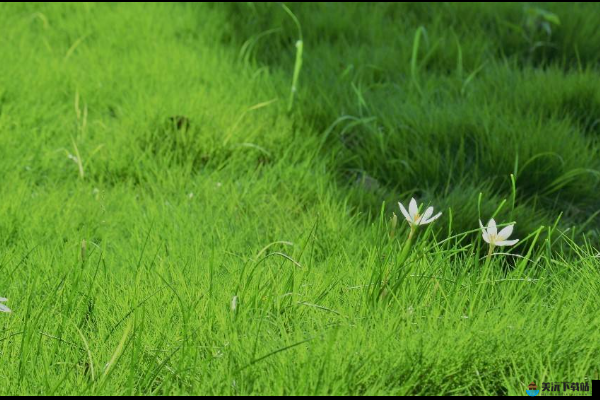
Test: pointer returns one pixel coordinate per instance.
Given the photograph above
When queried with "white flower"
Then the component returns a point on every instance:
(413, 216)
(3, 308)
(495, 238)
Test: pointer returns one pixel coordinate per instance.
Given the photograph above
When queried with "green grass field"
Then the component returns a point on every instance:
(199, 198)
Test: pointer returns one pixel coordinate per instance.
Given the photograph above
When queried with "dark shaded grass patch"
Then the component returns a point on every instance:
(428, 100)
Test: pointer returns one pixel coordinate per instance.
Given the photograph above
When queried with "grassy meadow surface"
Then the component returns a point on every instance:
(175, 219)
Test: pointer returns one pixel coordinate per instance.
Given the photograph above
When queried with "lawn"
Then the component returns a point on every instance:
(203, 198)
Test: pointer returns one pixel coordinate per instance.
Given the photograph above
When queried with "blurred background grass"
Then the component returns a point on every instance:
(149, 162)
(447, 100)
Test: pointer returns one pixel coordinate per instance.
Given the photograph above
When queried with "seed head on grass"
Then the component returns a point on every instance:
(3, 308)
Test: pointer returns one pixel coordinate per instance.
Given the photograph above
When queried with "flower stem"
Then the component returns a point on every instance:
(407, 246)
(413, 229)
(491, 252)
(401, 259)
(488, 258)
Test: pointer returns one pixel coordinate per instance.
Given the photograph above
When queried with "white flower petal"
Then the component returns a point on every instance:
(405, 213)
(428, 213)
(486, 237)
(413, 208)
(3, 308)
(430, 220)
(484, 232)
(492, 230)
(507, 242)
(506, 232)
